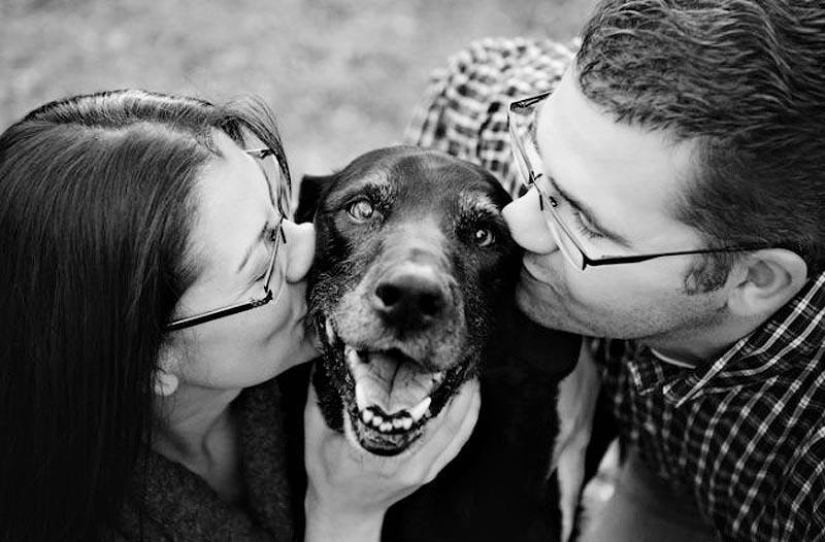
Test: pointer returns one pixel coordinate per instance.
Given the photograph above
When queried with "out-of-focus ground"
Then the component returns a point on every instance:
(342, 75)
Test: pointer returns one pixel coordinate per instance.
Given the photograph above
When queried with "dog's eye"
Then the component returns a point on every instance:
(484, 237)
(361, 209)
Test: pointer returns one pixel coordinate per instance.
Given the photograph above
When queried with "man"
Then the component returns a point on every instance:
(676, 201)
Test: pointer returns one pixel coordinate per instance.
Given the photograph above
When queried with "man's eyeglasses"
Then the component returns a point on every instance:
(274, 279)
(560, 216)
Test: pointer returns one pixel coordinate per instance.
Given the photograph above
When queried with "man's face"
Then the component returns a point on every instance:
(622, 184)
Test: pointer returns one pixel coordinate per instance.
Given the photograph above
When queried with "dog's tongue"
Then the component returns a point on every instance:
(390, 382)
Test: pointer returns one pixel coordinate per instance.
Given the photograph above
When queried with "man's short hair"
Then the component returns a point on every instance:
(745, 79)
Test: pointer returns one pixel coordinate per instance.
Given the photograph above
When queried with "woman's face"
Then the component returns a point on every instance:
(231, 243)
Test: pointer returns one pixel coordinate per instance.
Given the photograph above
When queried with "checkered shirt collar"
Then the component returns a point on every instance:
(796, 332)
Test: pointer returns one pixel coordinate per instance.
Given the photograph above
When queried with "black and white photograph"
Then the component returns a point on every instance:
(412, 270)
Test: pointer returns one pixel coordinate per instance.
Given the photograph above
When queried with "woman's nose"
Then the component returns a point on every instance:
(527, 225)
(300, 249)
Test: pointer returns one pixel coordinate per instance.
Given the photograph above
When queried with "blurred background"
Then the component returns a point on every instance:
(342, 75)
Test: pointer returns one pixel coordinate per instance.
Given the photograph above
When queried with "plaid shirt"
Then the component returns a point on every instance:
(744, 434)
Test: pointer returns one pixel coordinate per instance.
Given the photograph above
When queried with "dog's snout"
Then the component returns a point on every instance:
(410, 297)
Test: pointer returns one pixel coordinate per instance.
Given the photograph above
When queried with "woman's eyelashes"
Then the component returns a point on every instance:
(271, 234)
(585, 227)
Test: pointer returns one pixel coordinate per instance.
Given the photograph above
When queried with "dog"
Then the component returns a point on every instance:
(411, 294)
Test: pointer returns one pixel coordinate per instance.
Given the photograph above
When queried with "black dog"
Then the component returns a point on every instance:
(411, 295)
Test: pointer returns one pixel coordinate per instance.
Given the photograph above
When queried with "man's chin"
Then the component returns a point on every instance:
(545, 312)
(534, 308)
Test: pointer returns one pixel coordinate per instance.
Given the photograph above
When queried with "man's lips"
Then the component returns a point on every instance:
(535, 290)
(532, 278)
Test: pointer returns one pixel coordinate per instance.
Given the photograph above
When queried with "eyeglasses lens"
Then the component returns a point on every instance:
(280, 193)
(279, 188)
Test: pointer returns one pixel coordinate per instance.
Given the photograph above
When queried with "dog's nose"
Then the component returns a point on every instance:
(410, 298)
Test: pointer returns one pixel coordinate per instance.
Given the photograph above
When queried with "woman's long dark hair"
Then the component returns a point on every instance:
(96, 205)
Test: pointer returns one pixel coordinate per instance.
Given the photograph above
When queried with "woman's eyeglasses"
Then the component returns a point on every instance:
(274, 279)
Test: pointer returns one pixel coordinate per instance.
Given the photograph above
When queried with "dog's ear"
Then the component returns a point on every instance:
(310, 191)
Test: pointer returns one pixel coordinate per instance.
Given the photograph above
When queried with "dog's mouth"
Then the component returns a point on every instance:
(388, 395)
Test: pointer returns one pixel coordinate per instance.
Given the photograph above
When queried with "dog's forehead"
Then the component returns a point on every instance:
(352, 182)
(439, 170)
(456, 187)
(415, 181)
(359, 180)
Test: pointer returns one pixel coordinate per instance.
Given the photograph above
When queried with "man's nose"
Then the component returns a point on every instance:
(527, 224)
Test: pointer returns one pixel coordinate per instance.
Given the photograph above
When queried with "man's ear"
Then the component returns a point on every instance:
(767, 280)
(310, 190)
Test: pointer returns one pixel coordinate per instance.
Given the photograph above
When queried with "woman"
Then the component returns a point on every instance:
(152, 287)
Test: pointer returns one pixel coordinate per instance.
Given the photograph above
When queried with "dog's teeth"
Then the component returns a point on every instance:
(385, 427)
(377, 421)
(438, 377)
(418, 411)
(360, 396)
(366, 416)
(402, 423)
(330, 331)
